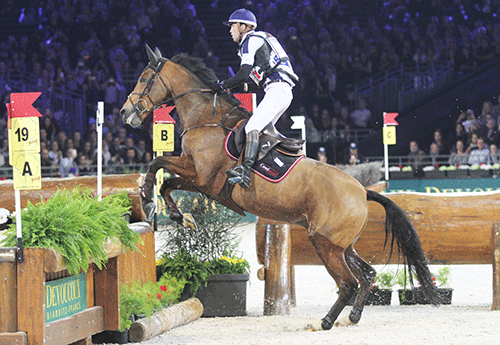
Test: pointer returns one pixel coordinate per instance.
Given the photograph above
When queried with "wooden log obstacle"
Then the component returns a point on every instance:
(25, 287)
(454, 229)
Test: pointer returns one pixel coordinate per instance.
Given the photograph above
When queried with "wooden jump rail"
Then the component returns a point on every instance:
(23, 285)
(454, 229)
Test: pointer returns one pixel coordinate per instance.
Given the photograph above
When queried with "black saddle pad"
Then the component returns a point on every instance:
(273, 167)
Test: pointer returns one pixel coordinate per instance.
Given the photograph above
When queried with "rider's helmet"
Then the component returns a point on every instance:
(242, 16)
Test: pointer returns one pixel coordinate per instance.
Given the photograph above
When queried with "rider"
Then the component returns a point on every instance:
(264, 60)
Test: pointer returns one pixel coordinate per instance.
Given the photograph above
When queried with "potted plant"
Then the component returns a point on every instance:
(207, 258)
(442, 279)
(406, 296)
(138, 300)
(416, 295)
(381, 292)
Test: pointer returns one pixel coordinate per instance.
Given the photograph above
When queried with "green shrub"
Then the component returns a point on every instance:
(75, 224)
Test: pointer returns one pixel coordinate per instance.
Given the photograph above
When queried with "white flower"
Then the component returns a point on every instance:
(4, 215)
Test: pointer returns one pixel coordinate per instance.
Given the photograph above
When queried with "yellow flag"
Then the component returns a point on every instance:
(389, 134)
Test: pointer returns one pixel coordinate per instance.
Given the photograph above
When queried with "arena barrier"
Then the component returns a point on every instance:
(111, 184)
(454, 229)
(24, 287)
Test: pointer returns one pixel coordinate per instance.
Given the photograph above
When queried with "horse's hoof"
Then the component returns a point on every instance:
(355, 316)
(149, 209)
(189, 222)
(327, 323)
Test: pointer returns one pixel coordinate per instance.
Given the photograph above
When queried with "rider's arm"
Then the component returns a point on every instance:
(239, 78)
(248, 51)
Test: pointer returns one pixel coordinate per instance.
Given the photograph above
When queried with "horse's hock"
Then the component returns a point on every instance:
(453, 229)
(23, 286)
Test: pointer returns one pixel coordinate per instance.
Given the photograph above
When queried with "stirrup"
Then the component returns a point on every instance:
(239, 175)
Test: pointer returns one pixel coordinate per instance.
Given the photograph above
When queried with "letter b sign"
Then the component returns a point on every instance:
(163, 137)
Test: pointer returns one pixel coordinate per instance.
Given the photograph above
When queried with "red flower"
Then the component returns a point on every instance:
(149, 296)
(163, 288)
(158, 296)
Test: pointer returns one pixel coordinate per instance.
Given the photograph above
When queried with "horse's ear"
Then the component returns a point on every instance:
(152, 56)
(158, 52)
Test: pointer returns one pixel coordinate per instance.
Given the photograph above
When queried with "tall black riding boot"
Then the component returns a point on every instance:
(241, 173)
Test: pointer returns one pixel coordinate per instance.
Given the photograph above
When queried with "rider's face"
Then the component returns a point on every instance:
(235, 32)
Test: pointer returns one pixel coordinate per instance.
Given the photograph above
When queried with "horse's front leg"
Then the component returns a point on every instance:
(181, 166)
(177, 183)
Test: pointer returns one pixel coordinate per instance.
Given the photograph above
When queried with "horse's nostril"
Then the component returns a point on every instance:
(122, 112)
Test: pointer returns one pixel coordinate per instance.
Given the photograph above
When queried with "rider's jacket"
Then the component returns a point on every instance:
(267, 57)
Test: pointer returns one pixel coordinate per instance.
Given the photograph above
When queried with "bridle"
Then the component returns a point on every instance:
(139, 108)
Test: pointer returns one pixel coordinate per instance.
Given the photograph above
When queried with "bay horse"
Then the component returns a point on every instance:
(330, 204)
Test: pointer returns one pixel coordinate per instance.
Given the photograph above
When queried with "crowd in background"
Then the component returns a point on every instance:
(475, 140)
(94, 46)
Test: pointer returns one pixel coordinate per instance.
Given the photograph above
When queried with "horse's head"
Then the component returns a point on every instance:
(149, 92)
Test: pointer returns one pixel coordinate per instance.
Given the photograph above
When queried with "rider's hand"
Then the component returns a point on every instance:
(217, 87)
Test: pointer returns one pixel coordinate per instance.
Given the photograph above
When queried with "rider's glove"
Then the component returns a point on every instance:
(217, 87)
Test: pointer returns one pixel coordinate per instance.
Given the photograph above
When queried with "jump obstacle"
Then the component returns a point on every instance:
(453, 228)
(23, 285)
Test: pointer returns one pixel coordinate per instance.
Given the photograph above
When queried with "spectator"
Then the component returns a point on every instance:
(68, 166)
(459, 156)
(416, 156)
(434, 155)
(353, 154)
(321, 155)
(361, 117)
(458, 134)
(441, 145)
(472, 143)
(492, 135)
(494, 157)
(480, 155)
(84, 166)
(55, 154)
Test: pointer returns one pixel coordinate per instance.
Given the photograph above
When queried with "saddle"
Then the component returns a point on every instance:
(277, 156)
(269, 138)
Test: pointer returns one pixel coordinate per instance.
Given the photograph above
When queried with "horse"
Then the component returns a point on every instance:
(330, 204)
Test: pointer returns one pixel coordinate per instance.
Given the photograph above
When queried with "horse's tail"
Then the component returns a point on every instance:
(398, 224)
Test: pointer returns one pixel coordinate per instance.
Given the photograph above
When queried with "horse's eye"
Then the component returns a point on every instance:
(142, 79)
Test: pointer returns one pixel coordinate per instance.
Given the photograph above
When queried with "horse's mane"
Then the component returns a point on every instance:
(206, 75)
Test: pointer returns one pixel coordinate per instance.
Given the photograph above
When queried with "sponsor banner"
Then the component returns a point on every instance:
(470, 185)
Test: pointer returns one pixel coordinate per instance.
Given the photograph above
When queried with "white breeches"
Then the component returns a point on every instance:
(277, 98)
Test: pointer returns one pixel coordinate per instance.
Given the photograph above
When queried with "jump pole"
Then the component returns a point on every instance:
(389, 137)
(99, 122)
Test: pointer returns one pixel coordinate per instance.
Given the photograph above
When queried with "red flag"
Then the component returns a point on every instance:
(21, 104)
(390, 119)
(162, 115)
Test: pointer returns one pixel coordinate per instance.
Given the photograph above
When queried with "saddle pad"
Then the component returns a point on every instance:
(273, 167)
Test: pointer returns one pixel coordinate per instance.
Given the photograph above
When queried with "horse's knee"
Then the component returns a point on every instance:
(347, 289)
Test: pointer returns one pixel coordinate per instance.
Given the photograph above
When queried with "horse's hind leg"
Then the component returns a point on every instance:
(365, 274)
(333, 258)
